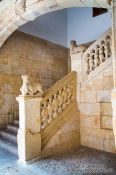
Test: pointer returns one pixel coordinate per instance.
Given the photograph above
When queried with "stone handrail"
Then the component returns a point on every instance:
(57, 98)
(97, 54)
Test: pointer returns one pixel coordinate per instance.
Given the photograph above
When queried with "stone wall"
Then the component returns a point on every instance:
(96, 112)
(23, 53)
(67, 138)
(94, 102)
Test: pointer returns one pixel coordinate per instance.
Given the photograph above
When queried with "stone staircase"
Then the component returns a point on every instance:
(60, 123)
(58, 110)
(8, 138)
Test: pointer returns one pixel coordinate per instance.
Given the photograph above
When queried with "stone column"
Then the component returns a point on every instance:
(113, 97)
(29, 137)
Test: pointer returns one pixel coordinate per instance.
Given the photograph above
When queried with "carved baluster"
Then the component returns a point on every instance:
(50, 110)
(87, 64)
(71, 93)
(72, 90)
(101, 52)
(55, 105)
(108, 42)
(97, 60)
(91, 62)
(93, 58)
(64, 94)
(44, 114)
(106, 49)
(60, 101)
(68, 93)
(103, 46)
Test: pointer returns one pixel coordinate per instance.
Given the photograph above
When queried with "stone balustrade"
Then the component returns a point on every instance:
(57, 99)
(37, 109)
(97, 54)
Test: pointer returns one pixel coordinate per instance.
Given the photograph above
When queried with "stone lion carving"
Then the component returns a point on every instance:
(74, 48)
(20, 6)
(28, 88)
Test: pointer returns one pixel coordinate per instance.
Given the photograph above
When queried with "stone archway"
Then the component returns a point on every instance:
(15, 13)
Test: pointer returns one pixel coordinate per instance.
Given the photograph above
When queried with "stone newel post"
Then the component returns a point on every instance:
(76, 53)
(29, 137)
(113, 97)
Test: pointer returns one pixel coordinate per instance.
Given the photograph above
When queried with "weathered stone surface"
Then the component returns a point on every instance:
(88, 96)
(67, 138)
(104, 96)
(93, 142)
(49, 61)
(94, 97)
(108, 82)
(106, 109)
(106, 122)
(90, 109)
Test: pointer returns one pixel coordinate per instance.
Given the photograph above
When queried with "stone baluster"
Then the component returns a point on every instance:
(71, 90)
(97, 59)
(106, 48)
(109, 50)
(93, 58)
(50, 110)
(101, 52)
(87, 64)
(68, 93)
(55, 105)
(44, 115)
(103, 46)
(64, 94)
(91, 62)
(97, 54)
(60, 99)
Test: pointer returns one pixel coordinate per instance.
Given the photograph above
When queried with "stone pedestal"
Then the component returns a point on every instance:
(29, 137)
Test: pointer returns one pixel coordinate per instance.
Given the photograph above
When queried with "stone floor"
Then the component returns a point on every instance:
(81, 162)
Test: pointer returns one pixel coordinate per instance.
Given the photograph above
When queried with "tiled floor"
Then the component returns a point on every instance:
(82, 162)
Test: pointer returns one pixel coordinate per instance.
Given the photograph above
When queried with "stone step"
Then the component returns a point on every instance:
(12, 128)
(10, 136)
(8, 146)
